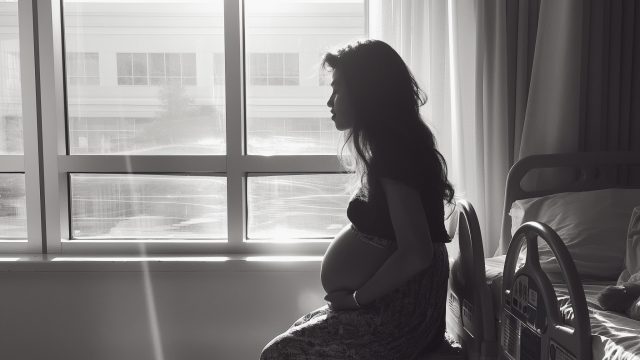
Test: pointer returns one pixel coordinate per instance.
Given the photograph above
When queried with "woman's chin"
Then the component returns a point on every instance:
(339, 126)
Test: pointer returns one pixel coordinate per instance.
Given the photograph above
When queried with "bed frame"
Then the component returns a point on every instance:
(591, 171)
(531, 325)
(471, 317)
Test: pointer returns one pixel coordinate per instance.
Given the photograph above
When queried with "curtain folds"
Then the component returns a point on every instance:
(511, 78)
(611, 81)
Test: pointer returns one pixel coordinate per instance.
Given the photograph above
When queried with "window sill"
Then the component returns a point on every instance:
(64, 263)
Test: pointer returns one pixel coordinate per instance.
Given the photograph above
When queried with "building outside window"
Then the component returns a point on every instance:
(156, 69)
(82, 68)
(218, 69)
(279, 69)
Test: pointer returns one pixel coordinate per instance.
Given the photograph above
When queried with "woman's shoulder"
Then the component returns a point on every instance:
(404, 166)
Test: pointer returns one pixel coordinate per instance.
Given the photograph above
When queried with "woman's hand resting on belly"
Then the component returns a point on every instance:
(349, 262)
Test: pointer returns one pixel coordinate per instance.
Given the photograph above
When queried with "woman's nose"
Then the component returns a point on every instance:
(330, 102)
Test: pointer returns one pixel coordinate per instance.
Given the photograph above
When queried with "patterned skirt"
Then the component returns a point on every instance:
(403, 324)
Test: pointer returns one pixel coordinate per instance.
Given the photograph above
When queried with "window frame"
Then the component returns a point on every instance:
(27, 163)
(48, 162)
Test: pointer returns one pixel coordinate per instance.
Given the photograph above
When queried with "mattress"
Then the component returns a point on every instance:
(614, 336)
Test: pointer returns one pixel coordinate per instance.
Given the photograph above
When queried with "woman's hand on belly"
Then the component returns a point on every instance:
(349, 262)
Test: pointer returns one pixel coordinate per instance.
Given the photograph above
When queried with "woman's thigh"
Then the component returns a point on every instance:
(311, 337)
(325, 334)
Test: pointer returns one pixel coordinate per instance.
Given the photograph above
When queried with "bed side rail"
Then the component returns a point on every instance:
(591, 171)
(473, 303)
(531, 322)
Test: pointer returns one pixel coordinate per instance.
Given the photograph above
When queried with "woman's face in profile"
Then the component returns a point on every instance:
(341, 109)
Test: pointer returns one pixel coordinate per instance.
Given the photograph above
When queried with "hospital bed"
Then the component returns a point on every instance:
(559, 318)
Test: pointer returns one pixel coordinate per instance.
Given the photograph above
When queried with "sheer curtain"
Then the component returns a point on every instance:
(438, 41)
(503, 82)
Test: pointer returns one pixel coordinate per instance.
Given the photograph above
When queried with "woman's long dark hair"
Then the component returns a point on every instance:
(387, 100)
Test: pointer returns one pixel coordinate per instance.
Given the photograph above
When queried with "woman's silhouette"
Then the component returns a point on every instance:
(386, 272)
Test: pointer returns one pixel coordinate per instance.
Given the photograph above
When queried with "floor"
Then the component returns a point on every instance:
(450, 350)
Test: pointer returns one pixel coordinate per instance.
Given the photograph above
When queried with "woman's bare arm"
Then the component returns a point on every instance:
(415, 250)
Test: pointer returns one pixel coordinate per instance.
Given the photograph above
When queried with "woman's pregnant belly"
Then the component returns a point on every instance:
(349, 262)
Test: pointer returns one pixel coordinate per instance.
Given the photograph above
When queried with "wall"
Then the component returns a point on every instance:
(98, 315)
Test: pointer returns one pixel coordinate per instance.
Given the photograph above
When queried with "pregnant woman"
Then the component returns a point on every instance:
(385, 273)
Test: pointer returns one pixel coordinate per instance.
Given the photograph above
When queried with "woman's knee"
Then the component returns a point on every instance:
(268, 353)
(273, 350)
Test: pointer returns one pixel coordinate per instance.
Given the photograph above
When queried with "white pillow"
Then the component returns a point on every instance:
(593, 225)
(631, 272)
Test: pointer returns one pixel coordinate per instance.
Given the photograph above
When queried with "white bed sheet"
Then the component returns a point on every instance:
(614, 336)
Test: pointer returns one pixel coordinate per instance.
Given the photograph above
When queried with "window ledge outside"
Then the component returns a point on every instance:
(167, 263)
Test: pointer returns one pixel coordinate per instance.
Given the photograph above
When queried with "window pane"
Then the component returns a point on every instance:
(218, 69)
(291, 65)
(73, 66)
(293, 36)
(82, 69)
(188, 65)
(156, 65)
(156, 80)
(123, 81)
(291, 81)
(124, 65)
(188, 81)
(173, 64)
(185, 111)
(259, 65)
(10, 87)
(120, 206)
(139, 64)
(297, 206)
(92, 65)
(275, 65)
(275, 80)
(140, 80)
(13, 207)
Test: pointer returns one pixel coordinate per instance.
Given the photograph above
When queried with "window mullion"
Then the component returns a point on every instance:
(235, 124)
(52, 120)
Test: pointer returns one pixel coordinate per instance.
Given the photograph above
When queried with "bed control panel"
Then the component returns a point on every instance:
(524, 320)
(524, 302)
(557, 352)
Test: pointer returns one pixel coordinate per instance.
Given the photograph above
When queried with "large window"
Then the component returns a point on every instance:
(186, 126)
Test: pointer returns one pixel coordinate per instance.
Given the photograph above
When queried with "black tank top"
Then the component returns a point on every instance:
(372, 216)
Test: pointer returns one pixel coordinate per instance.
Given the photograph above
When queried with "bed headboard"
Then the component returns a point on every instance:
(589, 170)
